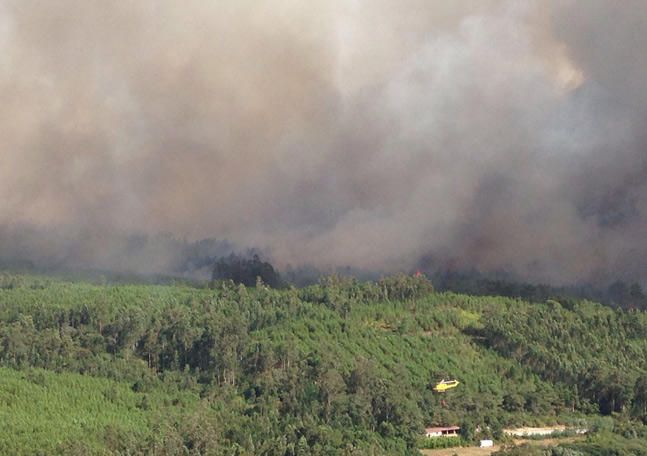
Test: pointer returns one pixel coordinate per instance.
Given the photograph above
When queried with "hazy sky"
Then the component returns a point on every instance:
(499, 135)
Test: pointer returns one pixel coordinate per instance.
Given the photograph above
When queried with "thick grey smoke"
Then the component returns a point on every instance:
(499, 135)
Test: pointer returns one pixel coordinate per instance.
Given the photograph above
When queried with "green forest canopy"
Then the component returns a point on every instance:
(340, 367)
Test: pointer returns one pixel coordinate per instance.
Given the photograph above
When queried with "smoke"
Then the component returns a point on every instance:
(496, 135)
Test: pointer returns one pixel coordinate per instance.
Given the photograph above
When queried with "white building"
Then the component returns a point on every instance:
(449, 431)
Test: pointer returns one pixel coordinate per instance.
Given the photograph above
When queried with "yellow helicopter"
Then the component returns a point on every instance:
(444, 385)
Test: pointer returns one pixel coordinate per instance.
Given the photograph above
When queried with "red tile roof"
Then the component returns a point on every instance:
(441, 429)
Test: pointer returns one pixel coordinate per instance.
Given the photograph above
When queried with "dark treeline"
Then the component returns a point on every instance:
(165, 259)
(246, 268)
(616, 294)
(246, 271)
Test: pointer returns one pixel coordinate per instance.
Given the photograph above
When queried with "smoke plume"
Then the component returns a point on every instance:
(490, 134)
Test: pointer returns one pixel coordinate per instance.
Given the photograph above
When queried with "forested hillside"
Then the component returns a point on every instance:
(341, 367)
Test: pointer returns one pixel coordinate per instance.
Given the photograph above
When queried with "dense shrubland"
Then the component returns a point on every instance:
(340, 367)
